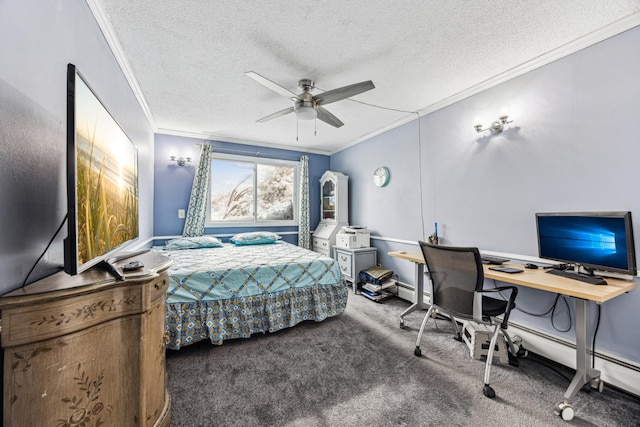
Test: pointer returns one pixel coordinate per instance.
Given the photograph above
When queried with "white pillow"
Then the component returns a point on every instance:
(194, 242)
(255, 238)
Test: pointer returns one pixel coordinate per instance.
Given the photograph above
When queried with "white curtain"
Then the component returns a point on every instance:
(197, 210)
(304, 233)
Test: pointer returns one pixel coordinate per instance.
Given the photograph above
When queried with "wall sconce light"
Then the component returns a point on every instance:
(181, 161)
(496, 127)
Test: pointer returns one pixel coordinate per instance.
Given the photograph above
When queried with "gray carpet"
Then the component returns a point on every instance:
(358, 369)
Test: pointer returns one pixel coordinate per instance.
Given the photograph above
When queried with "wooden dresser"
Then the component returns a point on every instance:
(87, 349)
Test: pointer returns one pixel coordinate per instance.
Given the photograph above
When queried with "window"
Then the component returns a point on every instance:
(249, 192)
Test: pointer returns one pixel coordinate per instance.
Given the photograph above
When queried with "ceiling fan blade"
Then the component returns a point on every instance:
(343, 92)
(328, 118)
(271, 85)
(274, 115)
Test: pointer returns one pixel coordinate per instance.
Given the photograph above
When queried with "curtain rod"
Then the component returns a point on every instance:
(253, 153)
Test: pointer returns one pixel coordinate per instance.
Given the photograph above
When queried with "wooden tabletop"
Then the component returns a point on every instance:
(539, 279)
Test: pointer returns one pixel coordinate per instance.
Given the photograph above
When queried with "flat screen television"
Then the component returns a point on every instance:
(102, 180)
(595, 240)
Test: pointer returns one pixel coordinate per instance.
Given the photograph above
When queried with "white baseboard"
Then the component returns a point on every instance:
(614, 370)
(407, 294)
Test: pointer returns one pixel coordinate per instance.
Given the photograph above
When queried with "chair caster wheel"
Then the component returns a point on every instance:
(597, 384)
(488, 391)
(564, 410)
(417, 352)
(401, 323)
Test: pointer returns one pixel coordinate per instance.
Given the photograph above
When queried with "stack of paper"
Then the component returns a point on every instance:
(378, 292)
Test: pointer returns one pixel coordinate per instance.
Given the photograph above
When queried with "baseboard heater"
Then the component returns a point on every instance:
(615, 371)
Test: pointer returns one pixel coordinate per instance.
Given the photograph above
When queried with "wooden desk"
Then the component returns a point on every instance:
(539, 279)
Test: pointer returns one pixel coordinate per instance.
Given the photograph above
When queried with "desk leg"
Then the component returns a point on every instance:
(584, 373)
(419, 304)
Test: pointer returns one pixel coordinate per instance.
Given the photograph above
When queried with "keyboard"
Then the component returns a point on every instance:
(592, 280)
(488, 259)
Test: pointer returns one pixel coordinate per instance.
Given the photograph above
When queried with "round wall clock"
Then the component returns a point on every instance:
(381, 176)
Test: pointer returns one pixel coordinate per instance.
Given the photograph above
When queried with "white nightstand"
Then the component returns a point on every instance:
(353, 261)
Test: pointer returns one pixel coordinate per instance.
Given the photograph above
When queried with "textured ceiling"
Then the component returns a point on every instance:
(187, 59)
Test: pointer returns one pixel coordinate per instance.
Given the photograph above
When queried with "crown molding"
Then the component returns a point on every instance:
(403, 121)
(213, 137)
(565, 50)
(583, 42)
(574, 46)
(116, 48)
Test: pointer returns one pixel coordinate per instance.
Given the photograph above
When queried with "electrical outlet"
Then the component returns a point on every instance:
(181, 213)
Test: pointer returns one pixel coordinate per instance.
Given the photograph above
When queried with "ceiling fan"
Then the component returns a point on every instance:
(307, 106)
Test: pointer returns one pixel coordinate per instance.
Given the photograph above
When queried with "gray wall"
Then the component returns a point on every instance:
(574, 146)
(37, 40)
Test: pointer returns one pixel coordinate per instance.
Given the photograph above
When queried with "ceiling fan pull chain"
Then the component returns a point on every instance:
(315, 127)
(297, 129)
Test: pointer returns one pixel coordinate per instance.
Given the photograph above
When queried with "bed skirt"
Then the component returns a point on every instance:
(240, 317)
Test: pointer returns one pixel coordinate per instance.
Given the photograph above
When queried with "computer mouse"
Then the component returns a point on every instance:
(530, 265)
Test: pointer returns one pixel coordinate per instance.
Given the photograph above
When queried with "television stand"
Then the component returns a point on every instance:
(87, 349)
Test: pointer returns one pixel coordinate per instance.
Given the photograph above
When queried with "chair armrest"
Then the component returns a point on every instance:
(510, 303)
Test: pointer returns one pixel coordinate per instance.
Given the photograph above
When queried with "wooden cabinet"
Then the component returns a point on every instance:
(87, 349)
(334, 210)
(353, 261)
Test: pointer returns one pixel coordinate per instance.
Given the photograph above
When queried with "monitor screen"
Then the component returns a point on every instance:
(102, 180)
(596, 240)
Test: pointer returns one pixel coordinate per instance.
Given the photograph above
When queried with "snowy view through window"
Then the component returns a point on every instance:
(233, 191)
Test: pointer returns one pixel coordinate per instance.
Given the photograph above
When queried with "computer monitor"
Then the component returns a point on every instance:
(595, 240)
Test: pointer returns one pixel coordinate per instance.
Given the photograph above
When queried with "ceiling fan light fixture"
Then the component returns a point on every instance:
(305, 110)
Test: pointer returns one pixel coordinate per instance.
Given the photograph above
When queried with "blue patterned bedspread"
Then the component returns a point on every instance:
(235, 291)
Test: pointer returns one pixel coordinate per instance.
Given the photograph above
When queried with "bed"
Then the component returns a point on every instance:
(229, 291)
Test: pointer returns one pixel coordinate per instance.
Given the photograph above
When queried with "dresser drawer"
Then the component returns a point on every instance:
(345, 261)
(321, 243)
(158, 288)
(322, 246)
(322, 251)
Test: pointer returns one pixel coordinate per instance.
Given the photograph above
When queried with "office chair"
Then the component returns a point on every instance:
(457, 280)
